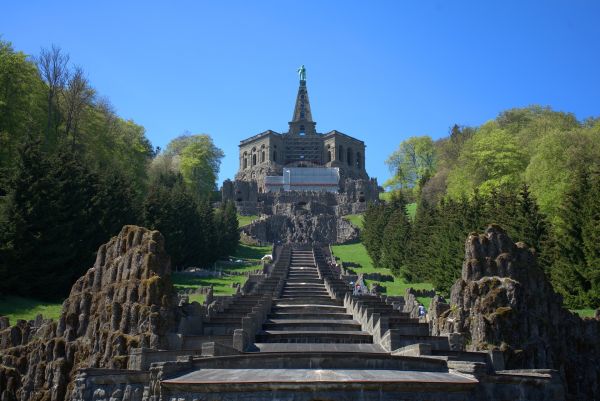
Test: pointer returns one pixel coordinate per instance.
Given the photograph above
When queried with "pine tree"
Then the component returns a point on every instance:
(372, 232)
(117, 204)
(420, 236)
(532, 226)
(208, 239)
(568, 270)
(396, 237)
(26, 211)
(591, 239)
(50, 230)
(227, 227)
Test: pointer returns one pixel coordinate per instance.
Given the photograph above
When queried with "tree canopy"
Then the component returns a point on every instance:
(72, 173)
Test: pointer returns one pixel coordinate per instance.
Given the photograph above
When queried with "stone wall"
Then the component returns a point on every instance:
(302, 228)
(504, 301)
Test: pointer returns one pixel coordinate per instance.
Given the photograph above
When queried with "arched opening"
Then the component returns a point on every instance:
(262, 156)
(329, 155)
(254, 160)
(341, 153)
(349, 156)
(275, 156)
(358, 160)
(245, 162)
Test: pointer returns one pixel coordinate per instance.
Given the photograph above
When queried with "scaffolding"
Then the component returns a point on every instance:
(322, 179)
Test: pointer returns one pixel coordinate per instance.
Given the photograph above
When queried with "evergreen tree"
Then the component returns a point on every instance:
(420, 237)
(50, 231)
(170, 209)
(372, 232)
(531, 224)
(591, 240)
(117, 204)
(227, 228)
(395, 241)
(208, 239)
(568, 270)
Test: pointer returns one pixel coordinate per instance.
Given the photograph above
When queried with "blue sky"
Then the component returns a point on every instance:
(381, 71)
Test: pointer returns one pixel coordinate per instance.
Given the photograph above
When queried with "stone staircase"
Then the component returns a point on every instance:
(301, 335)
(305, 313)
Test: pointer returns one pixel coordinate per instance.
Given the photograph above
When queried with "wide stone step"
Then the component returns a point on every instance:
(306, 293)
(306, 301)
(316, 347)
(305, 308)
(314, 336)
(311, 325)
(303, 277)
(305, 281)
(322, 315)
(304, 287)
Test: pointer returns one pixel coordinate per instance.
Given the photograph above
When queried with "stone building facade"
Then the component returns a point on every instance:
(301, 182)
(269, 152)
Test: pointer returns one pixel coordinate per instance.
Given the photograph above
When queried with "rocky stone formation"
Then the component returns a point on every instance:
(125, 300)
(303, 228)
(504, 301)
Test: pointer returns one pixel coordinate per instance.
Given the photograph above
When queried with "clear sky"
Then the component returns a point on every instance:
(381, 71)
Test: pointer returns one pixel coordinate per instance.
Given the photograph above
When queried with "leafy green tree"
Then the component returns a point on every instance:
(491, 159)
(412, 163)
(21, 102)
(196, 158)
(558, 155)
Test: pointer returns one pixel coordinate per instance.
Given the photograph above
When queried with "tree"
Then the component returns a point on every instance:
(395, 242)
(21, 103)
(77, 96)
(50, 230)
(491, 159)
(227, 228)
(197, 159)
(53, 67)
(414, 160)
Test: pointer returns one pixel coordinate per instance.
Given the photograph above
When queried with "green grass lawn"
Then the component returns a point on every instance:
(245, 220)
(221, 285)
(356, 253)
(584, 312)
(16, 308)
(249, 254)
(356, 219)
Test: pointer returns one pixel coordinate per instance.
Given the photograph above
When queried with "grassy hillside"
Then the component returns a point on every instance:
(246, 258)
(15, 308)
(245, 220)
(357, 254)
(356, 219)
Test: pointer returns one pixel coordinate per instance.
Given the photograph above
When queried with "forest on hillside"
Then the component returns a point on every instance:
(533, 171)
(72, 173)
